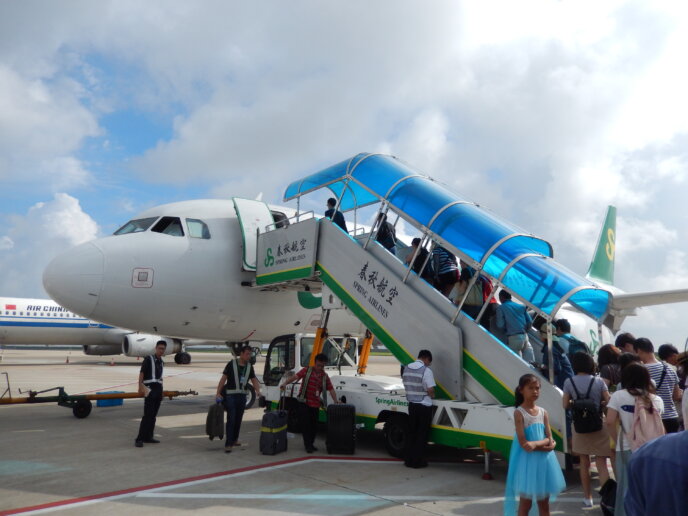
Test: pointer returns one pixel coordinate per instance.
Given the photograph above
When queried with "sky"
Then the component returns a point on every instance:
(544, 112)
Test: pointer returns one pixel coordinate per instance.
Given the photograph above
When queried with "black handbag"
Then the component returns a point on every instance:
(608, 497)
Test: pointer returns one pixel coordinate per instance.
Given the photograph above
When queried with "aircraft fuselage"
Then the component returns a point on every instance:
(178, 285)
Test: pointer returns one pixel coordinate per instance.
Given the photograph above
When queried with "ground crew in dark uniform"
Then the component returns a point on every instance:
(150, 385)
(232, 390)
(419, 383)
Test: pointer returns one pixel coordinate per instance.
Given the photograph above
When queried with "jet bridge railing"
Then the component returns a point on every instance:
(462, 227)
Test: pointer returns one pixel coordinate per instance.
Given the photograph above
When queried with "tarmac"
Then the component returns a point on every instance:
(52, 462)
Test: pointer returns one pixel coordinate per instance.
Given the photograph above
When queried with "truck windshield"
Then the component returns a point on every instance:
(328, 349)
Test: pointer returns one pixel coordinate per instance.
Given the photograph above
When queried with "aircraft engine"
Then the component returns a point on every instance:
(101, 349)
(141, 345)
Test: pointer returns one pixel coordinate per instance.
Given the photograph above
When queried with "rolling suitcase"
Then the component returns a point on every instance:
(273, 432)
(215, 421)
(341, 429)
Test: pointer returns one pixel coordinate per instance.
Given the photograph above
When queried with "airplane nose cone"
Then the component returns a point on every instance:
(74, 278)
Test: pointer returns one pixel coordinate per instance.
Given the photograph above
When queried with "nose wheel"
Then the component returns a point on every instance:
(182, 358)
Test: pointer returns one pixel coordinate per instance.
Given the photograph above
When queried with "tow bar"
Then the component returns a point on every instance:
(79, 403)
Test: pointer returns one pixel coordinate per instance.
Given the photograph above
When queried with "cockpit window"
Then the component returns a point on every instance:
(136, 226)
(169, 226)
(197, 229)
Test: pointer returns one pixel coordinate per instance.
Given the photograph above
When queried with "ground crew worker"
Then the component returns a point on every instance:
(316, 383)
(419, 383)
(150, 385)
(232, 390)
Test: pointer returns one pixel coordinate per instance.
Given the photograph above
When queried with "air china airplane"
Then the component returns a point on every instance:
(42, 321)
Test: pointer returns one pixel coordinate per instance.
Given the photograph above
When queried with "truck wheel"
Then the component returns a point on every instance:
(82, 409)
(250, 396)
(182, 358)
(396, 434)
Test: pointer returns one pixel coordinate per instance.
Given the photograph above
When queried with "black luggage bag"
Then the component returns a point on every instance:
(341, 429)
(215, 421)
(273, 432)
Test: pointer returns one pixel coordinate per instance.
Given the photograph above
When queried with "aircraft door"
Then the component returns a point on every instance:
(280, 359)
(253, 216)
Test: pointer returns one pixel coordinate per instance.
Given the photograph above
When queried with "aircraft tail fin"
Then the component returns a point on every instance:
(602, 265)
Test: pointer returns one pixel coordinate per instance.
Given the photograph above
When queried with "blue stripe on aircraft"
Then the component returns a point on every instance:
(54, 325)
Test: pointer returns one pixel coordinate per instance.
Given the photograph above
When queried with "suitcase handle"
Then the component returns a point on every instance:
(281, 403)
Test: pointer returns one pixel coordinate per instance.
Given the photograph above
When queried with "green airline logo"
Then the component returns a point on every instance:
(308, 300)
(610, 247)
(594, 341)
(602, 266)
(269, 259)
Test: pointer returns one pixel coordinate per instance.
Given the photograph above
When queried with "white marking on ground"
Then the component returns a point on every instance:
(163, 492)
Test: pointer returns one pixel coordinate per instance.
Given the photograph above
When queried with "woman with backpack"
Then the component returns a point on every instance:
(586, 394)
(638, 412)
(608, 365)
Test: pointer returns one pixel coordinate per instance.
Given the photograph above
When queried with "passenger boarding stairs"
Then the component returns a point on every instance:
(469, 363)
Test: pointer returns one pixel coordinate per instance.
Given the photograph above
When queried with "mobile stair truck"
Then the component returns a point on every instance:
(475, 372)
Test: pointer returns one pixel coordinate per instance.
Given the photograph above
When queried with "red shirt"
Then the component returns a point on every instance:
(314, 387)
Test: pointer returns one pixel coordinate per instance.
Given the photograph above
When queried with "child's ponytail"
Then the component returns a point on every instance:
(518, 397)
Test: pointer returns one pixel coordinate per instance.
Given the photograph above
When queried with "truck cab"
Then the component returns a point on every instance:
(289, 353)
(378, 399)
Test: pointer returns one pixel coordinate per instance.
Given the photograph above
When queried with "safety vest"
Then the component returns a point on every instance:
(240, 387)
(304, 387)
(413, 383)
(153, 379)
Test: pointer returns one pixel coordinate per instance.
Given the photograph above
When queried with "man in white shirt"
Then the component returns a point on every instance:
(419, 383)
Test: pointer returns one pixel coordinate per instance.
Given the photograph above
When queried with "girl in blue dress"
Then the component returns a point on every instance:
(534, 473)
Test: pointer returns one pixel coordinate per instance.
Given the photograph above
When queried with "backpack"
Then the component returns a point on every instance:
(576, 346)
(487, 288)
(386, 235)
(647, 424)
(562, 365)
(587, 417)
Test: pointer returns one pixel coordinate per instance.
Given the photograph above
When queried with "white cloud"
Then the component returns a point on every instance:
(36, 237)
(544, 112)
(41, 126)
(6, 243)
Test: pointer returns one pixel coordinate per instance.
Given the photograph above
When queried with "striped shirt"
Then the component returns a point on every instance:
(314, 387)
(447, 261)
(665, 390)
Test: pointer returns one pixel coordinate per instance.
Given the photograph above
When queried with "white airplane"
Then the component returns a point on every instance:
(186, 270)
(42, 321)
